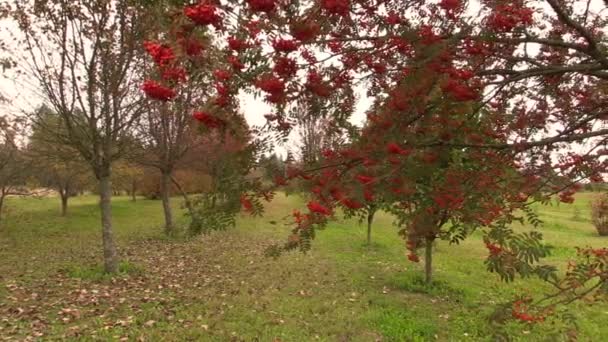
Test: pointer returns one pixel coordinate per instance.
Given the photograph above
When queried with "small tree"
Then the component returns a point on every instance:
(371, 213)
(227, 161)
(271, 166)
(166, 133)
(167, 130)
(599, 214)
(365, 212)
(316, 133)
(473, 121)
(58, 166)
(127, 176)
(84, 55)
(14, 164)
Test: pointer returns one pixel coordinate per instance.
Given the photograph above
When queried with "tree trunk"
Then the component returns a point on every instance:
(64, 203)
(2, 195)
(428, 260)
(165, 189)
(370, 220)
(110, 257)
(187, 201)
(133, 191)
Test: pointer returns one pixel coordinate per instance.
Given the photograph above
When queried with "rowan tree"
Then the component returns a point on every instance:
(482, 109)
(83, 58)
(315, 133)
(166, 137)
(228, 159)
(15, 166)
(167, 130)
(599, 213)
(271, 166)
(127, 176)
(56, 165)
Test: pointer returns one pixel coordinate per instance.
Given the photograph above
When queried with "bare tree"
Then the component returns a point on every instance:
(58, 166)
(316, 133)
(127, 177)
(83, 54)
(14, 165)
(167, 132)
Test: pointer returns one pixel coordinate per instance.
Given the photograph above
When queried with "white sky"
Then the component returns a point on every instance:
(23, 98)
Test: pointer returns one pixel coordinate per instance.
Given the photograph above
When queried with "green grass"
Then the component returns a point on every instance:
(220, 287)
(96, 273)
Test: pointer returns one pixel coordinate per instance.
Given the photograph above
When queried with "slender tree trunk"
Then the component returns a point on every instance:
(133, 191)
(110, 257)
(2, 195)
(370, 220)
(428, 260)
(165, 189)
(64, 202)
(187, 201)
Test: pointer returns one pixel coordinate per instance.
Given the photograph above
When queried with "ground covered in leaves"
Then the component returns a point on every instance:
(222, 287)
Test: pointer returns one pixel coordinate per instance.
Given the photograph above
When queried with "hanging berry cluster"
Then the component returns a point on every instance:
(461, 130)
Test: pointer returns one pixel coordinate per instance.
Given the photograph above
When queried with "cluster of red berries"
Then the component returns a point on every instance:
(165, 59)
(339, 7)
(262, 5)
(520, 312)
(158, 91)
(284, 45)
(459, 91)
(162, 54)
(236, 44)
(208, 120)
(316, 85)
(246, 203)
(191, 46)
(507, 17)
(203, 14)
(493, 248)
(285, 67)
(318, 208)
(305, 31)
(274, 86)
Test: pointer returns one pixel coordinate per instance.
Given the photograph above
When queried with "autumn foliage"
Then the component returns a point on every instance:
(467, 126)
(599, 214)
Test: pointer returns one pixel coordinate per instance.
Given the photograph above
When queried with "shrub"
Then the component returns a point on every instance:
(213, 211)
(599, 214)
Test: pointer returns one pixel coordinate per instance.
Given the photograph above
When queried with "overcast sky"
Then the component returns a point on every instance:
(22, 96)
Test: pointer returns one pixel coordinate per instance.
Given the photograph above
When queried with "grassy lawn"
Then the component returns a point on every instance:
(221, 288)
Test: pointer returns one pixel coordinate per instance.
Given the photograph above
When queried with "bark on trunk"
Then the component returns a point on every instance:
(165, 188)
(64, 204)
(428, 261)
(187, 201)
(370, 220)
(2, 195)
(110, 257)
(133, 191)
